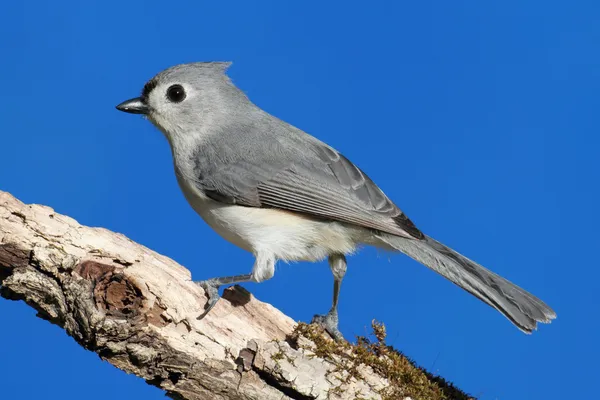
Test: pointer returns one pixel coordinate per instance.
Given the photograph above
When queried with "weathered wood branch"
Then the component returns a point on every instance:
(137, 310)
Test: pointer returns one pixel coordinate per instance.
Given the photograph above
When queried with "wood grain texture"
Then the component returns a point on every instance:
(137, 310)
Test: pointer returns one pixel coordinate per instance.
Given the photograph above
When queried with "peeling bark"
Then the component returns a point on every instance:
(138, 309)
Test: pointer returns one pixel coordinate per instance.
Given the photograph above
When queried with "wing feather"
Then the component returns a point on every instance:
(319, 182)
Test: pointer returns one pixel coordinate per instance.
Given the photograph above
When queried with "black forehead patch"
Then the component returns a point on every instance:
(148, 87)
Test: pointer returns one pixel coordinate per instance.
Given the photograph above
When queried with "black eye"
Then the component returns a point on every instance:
(176, 93)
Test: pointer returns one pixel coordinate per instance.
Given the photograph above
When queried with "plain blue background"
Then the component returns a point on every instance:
(479, 120)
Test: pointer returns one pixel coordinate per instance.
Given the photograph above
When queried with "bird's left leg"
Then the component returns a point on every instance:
(337, 263)
(264, 268)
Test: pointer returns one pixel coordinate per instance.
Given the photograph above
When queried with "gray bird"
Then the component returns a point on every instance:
(282, 194)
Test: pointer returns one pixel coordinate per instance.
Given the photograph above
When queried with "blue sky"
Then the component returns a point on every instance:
(479, 120)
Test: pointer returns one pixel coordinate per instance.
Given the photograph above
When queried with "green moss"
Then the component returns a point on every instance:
(404, 376)
(278, 356)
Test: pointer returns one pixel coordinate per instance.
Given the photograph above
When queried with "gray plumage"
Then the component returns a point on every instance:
(520, 307)
(271, 172)
(232, 158)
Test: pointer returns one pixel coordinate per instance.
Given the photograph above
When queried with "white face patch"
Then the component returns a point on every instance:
(161, 104)
(168, 116)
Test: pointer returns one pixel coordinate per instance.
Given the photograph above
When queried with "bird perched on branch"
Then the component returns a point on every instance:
(282, 194)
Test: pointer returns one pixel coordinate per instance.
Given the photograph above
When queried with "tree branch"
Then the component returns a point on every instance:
(137, 310)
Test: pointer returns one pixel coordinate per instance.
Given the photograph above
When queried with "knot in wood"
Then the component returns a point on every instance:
(117, 295)
(114, 293)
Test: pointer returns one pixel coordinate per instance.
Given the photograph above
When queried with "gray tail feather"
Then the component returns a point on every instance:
(522, 308)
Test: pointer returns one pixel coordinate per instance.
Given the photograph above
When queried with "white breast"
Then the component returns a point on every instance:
(288, 236)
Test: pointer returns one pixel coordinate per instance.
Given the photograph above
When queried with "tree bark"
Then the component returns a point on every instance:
(137, 310)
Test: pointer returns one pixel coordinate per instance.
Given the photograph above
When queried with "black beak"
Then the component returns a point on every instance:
(134, 106)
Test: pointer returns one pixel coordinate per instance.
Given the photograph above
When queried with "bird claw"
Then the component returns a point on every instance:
(212, 292)
(329, 322)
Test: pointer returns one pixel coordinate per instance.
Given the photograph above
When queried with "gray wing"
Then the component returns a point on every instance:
(309, 178)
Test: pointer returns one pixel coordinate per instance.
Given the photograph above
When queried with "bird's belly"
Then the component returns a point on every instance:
(289, 236)
(286, 235)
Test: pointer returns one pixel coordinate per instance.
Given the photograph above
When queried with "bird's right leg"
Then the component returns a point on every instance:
(337, 263)
(264, 268)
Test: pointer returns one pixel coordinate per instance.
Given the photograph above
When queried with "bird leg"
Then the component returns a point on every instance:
(264, 268)
(329, 322)
(211, 288)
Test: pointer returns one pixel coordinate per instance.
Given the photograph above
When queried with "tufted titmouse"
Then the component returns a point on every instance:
(282, 194)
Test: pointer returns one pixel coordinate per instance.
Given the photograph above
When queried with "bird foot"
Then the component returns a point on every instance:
(211, 288)
(329, 322)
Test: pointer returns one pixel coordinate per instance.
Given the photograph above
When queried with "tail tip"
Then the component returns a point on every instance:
(533, 326)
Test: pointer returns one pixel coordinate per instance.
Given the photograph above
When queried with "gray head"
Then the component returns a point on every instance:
(187, 97)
